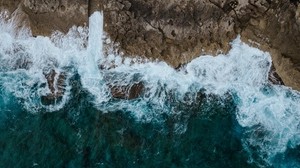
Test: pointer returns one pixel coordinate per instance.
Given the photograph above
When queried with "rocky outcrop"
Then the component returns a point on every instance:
(127, 92)
(173, 31)
(273, 77)
(177, 31)
(56, 85)
(46, 16)
(275, 27)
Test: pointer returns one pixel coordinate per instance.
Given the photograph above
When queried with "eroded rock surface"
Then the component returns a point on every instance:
(177, 31)
(56, 84)
(180, 30)
(127, 92)
(46, 16)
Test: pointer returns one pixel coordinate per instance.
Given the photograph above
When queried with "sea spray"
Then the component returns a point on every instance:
(91, 76)
(268, 114)
(25, 60)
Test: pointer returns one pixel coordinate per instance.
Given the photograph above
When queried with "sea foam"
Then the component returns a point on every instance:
(270, 113)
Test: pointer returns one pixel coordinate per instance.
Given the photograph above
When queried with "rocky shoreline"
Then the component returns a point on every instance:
(178, 31)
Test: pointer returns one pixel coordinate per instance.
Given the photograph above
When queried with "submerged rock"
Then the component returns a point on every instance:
(118, 89)
(127, 92)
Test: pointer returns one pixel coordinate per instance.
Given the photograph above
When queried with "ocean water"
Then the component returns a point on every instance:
(213, 112)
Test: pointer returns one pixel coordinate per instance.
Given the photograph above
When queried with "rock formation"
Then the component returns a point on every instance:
(127, 92)
(56, 84)
(46, 16)
(180, 30)
(177, 31)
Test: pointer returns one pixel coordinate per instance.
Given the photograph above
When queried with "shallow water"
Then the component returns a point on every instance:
(214, 112)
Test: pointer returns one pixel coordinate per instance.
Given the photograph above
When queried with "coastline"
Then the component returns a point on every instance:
(176, 32)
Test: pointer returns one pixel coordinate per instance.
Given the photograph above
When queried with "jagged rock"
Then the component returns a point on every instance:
(273, 77)
(9, 5)
(46, 16)
(179, 30)
(127, 92)
(274, 26)
(56, 85)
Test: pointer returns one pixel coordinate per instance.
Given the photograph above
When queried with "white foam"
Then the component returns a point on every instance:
(24, 59)
(275, 110)
(91, 77)
(271, 113)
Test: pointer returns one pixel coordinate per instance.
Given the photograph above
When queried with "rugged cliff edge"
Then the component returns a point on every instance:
(177, 31)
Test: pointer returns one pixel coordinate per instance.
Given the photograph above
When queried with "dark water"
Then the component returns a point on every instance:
(205, 134)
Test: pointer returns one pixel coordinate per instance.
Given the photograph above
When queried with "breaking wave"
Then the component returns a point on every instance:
(38, 70)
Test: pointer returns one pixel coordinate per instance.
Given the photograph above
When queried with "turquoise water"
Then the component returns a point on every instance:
(204, 134)
(213, 112)
(79, 135)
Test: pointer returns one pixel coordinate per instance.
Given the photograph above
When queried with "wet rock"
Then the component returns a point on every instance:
(273, 25)
(119, 90)
(93, 5)
(23, 63)
(127, 92)
(56, 85)
(273, 77)
(180, 30)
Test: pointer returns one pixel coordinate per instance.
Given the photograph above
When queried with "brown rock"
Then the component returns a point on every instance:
(277, 31)
(179, 30)
(127, 92)
(9, 5)
(174, 32)
(274, 78)
(56, 84)
(46, 16)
